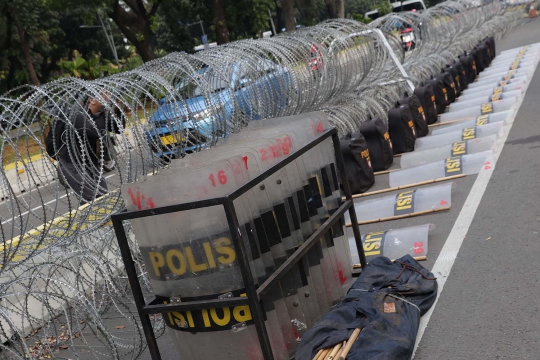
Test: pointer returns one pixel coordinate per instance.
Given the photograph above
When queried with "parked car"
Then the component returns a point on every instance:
(211, 103)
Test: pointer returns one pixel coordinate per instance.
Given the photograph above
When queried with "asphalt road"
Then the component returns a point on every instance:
(50, 201)
(42, 204)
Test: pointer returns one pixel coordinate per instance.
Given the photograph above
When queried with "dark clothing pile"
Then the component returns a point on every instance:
(386, 302)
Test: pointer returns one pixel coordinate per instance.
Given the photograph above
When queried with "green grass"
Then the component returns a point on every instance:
(26, 148)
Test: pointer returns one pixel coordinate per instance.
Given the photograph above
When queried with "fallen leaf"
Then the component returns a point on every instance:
(118, 327)
(63, 347)
(489, 238)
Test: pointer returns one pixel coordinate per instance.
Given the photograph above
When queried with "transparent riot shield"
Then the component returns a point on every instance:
(304, 215)
(324, 182)
(421, 157)
(513, 63)
(462, 164)
(512, 53)
(474, 132)
(508, 74)
(512, 74)
(527, 56)
(504, 116)
(503, 68)
(191, 258)
(393, 244)
(270, 150)
(260, 225)
(492, 79)
(530, 47)
(496, 83)
(518, 91)
(460, 105)
(274, 227)
(405, 202)
(483, 109)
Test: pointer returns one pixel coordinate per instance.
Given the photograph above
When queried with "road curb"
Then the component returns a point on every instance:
(20, 164)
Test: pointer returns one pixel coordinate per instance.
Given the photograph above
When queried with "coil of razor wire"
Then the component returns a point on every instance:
(64, 290)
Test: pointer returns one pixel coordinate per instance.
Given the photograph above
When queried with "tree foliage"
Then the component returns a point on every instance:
(384, 8)
(358, 7)
(87, 69)
(41, 40)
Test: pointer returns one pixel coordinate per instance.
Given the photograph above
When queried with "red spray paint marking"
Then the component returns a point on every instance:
(342, 278)
(487, 165)
(245, 158)
(296, 336)
(141, 201)
(444, 202)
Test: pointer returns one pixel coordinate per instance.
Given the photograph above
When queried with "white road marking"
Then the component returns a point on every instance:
(45, 204)
(443, 265)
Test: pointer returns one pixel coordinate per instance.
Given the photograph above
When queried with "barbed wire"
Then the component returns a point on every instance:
(64, 288)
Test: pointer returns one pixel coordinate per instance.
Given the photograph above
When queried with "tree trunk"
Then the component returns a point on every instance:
(27, 55)
(47, 67)
(25, 45)
(331, 8)
(220, 23)
(303, 12)
(135, 25)
(279, 17)
(10, 79)
(144, 47)
(288, 14)
(340, 8)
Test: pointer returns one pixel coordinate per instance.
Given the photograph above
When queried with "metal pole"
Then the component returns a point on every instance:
(202, 27)
(257, 311)
(394, 58)
(138, 296)
(113, 45)
(110, 39)
(272, 22)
